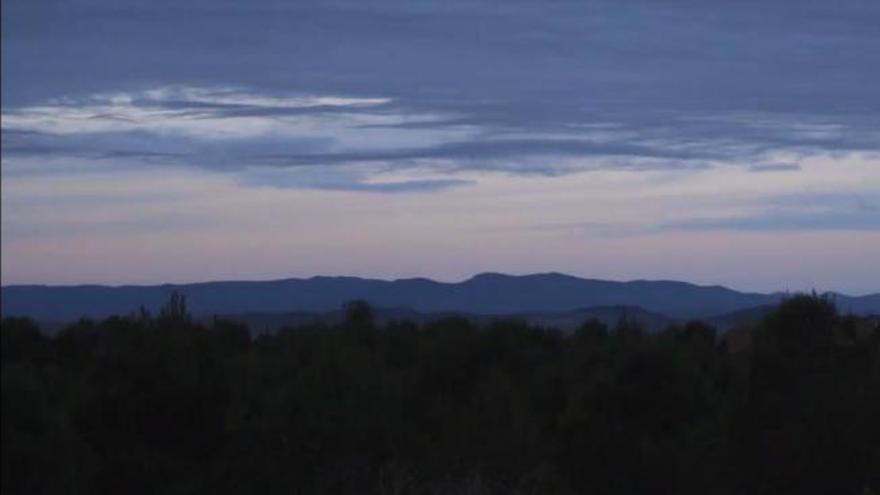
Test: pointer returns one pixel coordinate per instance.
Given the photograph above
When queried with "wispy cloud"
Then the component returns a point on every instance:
(779, 222)
(804, 212)
(204, 113)
(775, 167)
(232, 129)
(795, 212)
(349, 180)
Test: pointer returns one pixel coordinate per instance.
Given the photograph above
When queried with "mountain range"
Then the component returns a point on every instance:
(546, 297)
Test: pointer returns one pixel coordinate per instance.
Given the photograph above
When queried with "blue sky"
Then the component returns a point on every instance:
(716, 142)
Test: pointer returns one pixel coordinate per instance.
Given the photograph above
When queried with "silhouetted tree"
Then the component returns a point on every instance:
(175, 309)
(359, 313)
(593, 330)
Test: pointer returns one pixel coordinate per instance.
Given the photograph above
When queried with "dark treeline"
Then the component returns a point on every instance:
(162, 404)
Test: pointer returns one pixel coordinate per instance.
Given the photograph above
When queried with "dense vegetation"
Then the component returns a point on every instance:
(161, 404)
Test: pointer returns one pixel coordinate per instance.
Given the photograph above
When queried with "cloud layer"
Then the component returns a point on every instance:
(225, 84)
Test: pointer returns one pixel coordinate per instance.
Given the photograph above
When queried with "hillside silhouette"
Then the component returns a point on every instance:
(486, 294)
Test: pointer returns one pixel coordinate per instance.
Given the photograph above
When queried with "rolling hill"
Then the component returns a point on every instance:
(484, 294)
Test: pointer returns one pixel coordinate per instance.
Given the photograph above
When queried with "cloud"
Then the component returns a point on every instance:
(592, 229)
(792, 212)
(795, 212)
(349, 180)
(232, 129)
(780, 222)
(775, 167)
(524, 88)
(204, 113)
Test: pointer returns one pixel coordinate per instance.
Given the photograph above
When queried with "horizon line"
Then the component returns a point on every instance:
(429, 279)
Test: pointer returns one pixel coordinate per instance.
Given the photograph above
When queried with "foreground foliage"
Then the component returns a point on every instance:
(165, 405)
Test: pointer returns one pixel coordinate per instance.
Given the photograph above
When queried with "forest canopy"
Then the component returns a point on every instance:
(165, 404)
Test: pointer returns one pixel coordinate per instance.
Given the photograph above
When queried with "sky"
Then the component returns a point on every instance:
(716, 142)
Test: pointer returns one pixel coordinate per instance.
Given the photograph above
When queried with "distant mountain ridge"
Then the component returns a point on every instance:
(487, 294)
